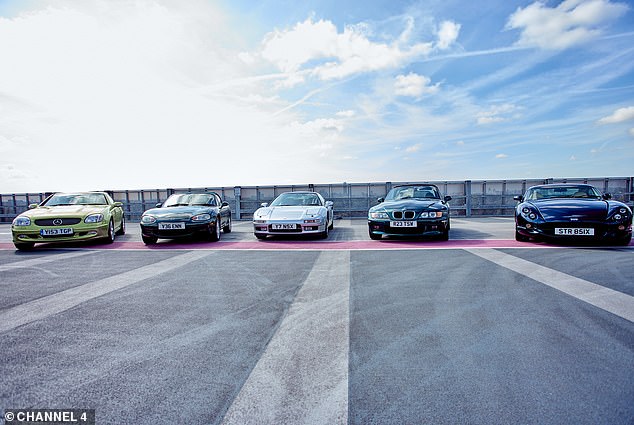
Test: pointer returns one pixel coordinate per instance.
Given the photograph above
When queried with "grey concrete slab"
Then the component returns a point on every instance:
(445, 338)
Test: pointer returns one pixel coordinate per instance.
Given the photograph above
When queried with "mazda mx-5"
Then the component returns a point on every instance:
(69, 217)
(572, 211)
(186, 215)
(411, 210)
(294, 213)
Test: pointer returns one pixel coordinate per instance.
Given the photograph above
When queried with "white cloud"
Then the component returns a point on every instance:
(332, 54)
(570, 23)
(620, 115)
(501, 156)
(497, 113)
(573, 158)
(447, 34)
(346, 114)
(414, 85)
(414, 148)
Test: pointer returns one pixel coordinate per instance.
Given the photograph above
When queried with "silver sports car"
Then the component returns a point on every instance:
(295, 213)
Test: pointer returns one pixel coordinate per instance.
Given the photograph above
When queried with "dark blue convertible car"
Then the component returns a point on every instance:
(572, 211)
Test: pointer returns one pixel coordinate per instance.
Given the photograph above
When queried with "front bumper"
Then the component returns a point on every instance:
(299, 228)
(423, 228)
(191, 229)
(602, 231)
(80, 232)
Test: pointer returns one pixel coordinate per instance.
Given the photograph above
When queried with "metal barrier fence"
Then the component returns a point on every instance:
(470, 198)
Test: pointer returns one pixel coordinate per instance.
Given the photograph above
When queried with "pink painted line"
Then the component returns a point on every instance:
(285, 245)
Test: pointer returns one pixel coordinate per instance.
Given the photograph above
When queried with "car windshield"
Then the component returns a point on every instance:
(296, 199)
(413, 192)
(190, 199)
(553, 192)
(76, 199)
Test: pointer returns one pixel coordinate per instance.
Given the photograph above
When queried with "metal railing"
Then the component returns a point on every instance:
(470, 198)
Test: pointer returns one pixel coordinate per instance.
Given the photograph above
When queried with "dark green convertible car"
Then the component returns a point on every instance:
(411, 210)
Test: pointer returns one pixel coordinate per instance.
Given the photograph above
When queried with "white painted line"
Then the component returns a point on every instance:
(33, 262)
(65, 300)
(599, 296)
(302, 377)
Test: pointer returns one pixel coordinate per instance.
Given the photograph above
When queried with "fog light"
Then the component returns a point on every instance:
(529, 226)
(621, 227)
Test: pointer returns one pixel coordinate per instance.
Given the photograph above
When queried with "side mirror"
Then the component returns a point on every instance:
(264, 204)
(447, 198)
(329, 203)
(32, 206)
(159, 205)
(607, 196)
(379, 200)
(224, 204)
(117, 204)
(518, 198)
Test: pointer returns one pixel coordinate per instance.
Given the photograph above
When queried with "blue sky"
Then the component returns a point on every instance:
(110, 94)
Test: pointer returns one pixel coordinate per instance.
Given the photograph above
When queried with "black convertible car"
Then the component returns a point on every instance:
(572, 211)
(410, 210)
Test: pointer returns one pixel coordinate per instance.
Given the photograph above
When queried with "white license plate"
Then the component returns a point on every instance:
(283, 226)
(56, 232)
(402, 224)
(171, 226)
(574, 231)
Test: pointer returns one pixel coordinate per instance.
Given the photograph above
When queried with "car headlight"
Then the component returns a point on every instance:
(22, 221)
(379, 215)
(148, 219)
(94, 218)
(529, 213)
(431, 214)
(313, 220)
(201, 217)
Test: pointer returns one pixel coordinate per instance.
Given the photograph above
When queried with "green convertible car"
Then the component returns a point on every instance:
(69, 217)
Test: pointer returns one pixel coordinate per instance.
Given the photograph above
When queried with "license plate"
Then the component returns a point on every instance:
(56, 232)
(574, 231)
(171, 226)
(283, 226)
(402, 224)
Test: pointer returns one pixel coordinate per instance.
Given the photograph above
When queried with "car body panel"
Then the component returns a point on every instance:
(411, 215)
(184, 214)
(68, 220)
(596, 218)
(315, 217)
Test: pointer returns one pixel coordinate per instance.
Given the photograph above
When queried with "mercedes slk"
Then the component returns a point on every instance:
(69, 217)
(571, 211)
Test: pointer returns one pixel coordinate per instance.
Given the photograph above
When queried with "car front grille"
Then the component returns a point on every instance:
(399, 215)
(57, 221)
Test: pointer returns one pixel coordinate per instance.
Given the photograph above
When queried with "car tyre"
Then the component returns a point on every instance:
(375, 237)
(110, 238)
(24, 246)
(445, 235)
(332, 224)
(149, 240)
(324, 234)
(624, 241)
(214, 233)
(121, 230)
(521, 238)
(227, 228)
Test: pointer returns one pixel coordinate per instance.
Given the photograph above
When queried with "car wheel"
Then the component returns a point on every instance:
(121, 230)
(624, 241)
(332, 224)
(521, 238)
(260, 236)
(214, 233)
(149, 240)
(324, 234)
(227, 228)
(24, 246)
(110, 237)
(445, 235)
(375, 237)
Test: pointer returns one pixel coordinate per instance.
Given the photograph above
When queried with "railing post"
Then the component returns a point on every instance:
(236, 194)
(467, 194)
